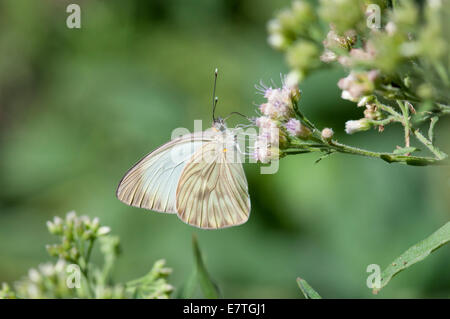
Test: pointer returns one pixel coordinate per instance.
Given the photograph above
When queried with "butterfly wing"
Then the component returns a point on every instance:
(212, 194)
(152, 182)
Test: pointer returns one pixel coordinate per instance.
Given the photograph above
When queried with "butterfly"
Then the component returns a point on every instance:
(197, 176)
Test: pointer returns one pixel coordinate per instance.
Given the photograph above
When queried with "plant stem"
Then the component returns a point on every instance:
(439, 155)
(384, 122)
(305, 120)
(317, 144)
(433, 122)
(398, 117)
(334, 146)
(406, 122)
(85, 269)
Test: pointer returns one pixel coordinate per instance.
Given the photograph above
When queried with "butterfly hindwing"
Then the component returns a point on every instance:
(212, 191)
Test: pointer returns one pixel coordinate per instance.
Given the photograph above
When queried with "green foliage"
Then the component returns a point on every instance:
(397, 62)
(74, 276)
(415, 253)
(153, 285)
(307, 290)
(199, 277)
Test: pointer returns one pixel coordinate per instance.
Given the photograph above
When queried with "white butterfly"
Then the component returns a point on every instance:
(197, 176)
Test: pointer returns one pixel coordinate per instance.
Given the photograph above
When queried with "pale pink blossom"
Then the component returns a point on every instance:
(265, 122)
(295, 128)
(263, 151)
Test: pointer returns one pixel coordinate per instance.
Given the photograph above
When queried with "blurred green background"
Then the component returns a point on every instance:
(78, 107)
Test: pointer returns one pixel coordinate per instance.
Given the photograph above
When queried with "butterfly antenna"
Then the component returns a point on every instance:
(237, 113)
(215, 99)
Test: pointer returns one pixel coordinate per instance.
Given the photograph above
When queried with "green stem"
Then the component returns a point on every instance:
(433, 122)
(397, 116)
(439, 155)
(388, 157)
(406, 123)
(85, 269)
(384, 122)
(441, 70)
(334, 146)
(304, 119)
(89, 251)
(316, 143)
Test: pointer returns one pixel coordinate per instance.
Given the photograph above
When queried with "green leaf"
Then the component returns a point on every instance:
(415, 254)
(189, 287)
(405, 150)
(207, 286)
(307, 290)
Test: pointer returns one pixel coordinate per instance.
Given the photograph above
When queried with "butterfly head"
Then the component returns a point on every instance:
(219, 125)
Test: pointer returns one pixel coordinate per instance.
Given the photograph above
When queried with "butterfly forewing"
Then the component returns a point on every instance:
(212, 191)
(152, 182)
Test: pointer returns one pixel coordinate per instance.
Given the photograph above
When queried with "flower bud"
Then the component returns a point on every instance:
(278, 41)
(297, 129)
(95, 224)
(264, 152)
(390, 28)
(273, 26)
(34, 275)
(79, 227)
(265, 122)
(357, 84)
(71, 216)
(279, 103)
(74, 253)
(327, 133)
(372, 113)
(66, 243)
(328, 56)
(303, 55)
(88, 234)
(357, 126)
(51, 227)
(104, 230)
(291, 82)
(53, 250)
(47, 269)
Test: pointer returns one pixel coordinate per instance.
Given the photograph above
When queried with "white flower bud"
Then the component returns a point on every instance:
(34, 275)
(357, 126)
(327, 133)
(347, 96)
(390, 28)
(274, 26)
(277, 41)
(104, 230)
(47, 269)
(363, 101)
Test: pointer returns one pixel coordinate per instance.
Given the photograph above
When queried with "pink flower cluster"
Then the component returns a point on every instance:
(357, 84)
(276, 120)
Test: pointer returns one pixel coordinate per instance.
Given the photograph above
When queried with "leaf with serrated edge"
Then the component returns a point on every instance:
(415, 254)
